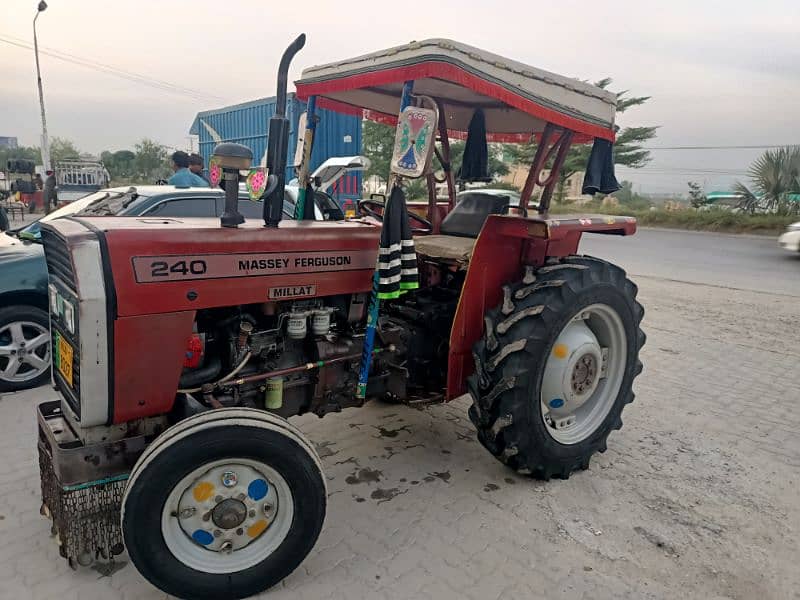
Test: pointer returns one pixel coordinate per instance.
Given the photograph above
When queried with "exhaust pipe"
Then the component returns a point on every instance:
(278, 141)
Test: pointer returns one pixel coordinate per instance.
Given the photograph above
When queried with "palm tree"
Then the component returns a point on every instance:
(775, 175)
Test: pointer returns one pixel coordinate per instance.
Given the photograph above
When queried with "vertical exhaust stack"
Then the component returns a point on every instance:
(278, 142)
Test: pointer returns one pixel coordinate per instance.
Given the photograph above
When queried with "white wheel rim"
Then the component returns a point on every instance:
(583, 374)
(204, 493)
(24, 351)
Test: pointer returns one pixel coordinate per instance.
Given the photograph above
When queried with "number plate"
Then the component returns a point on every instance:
(64, 358)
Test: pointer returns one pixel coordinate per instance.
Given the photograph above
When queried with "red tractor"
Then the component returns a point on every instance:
(181, 348)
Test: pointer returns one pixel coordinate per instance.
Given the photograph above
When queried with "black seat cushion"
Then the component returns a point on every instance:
(468, 216)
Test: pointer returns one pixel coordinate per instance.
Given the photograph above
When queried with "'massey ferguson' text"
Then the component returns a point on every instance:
(252, 264)
(152, 269)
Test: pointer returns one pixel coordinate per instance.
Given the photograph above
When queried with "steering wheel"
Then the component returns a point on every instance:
(366, 207)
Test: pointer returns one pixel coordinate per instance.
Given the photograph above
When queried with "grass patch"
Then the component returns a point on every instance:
(708, 220)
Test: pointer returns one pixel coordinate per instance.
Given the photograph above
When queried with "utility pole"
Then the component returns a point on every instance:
(45, 142)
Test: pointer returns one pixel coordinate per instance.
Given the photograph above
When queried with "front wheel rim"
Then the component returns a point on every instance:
(227, 515)
(583, 374)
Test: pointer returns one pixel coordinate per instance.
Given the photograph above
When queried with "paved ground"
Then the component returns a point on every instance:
(695, 498)
(738, 261)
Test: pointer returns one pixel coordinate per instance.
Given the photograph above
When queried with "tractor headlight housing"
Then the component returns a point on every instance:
(69, 316)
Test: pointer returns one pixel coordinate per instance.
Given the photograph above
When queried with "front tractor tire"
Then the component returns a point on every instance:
(555, 366)
(223, 505)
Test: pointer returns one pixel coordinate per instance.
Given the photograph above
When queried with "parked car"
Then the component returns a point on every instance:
(24, 322)
(791, 239)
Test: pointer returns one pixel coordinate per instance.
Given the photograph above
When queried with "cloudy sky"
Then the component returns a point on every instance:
(720, 73)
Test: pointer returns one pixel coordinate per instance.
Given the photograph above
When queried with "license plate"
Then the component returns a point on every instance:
(64, 358)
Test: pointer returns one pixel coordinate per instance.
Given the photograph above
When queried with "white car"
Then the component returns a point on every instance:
(791, 239)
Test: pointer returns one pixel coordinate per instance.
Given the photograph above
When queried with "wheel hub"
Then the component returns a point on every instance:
(584, 373)
(573, 369)
(229, 513)
(227, 508)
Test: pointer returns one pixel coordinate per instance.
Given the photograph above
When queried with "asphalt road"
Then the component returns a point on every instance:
(742, 262)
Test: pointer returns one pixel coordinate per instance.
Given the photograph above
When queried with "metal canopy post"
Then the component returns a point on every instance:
(374, 300)
(544, 152)
(303, 175)
(444, 140)
(564, 142)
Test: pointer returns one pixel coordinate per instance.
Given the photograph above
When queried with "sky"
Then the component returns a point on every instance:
(720, 73)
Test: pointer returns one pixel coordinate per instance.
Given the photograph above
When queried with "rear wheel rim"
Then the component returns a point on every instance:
(24, 351)
(227, 515)
(583, 374)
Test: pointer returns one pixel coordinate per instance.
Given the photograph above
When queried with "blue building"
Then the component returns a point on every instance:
(248, 123)
(7, 142)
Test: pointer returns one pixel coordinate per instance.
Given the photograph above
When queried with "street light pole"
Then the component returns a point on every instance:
(45, 143)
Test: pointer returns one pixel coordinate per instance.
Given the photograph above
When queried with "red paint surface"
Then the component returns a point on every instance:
(148, 357)
(195, 237)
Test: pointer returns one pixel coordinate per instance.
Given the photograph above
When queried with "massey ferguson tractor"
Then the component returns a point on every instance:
(181, 346)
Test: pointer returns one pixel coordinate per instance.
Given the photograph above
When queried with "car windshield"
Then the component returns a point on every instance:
(86, 205)
(109, 202)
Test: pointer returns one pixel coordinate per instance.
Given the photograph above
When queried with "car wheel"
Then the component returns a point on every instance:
(24, 348)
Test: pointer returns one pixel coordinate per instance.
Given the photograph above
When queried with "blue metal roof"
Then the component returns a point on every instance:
(247, 123)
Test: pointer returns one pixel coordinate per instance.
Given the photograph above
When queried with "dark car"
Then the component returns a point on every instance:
(24, 322)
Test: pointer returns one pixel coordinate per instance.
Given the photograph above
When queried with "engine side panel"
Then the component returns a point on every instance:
(148, 353)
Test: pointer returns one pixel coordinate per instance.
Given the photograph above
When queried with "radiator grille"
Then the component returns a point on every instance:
(59, 260)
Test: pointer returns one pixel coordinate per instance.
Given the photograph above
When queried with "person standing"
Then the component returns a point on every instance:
(50, 195)
(196, 166)
(38, 182)
(183, 177)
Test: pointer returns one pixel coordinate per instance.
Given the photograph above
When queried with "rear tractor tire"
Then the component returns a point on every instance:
(223, 505)
(555, 366)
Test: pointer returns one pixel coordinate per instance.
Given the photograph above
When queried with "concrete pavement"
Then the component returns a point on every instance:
(696, 496)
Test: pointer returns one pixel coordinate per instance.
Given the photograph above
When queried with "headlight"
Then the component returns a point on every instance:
(69, 317)
(53, 300)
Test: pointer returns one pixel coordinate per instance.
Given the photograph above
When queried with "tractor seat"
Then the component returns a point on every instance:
(468, 216)
(460, 228)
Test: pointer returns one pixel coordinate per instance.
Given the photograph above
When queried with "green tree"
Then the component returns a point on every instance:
(151, 161)
(697, 197)
(774, 176)
(63, 149)
(20, 152)
(628, 149)
(120, 164)
(378, 145)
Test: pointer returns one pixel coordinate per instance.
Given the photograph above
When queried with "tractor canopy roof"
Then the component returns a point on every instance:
(518, 100)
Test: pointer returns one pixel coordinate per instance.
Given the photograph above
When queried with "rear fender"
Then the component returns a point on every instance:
(505, 246)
